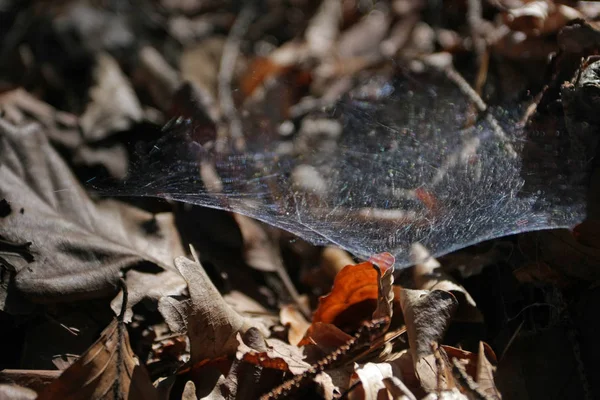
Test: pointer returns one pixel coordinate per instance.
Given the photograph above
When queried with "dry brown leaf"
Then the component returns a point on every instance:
(144, 285)
(371, 378)
(363, 39)
(429, 275)
(485, 375)
(291, 317)
(270, 353)
(29, 378)
(540, 17)
(212, 325)
(358, 292)
(19, 106)
(453, 394)
(97, 240)
(200, 64)
(108, 370)
(156, 76)
(379, 381)
(189, 391)
(324, 28)
(260, 248)
(427, 316)
(334, 259)
(114, 106)
(14, 392)
(326, 337)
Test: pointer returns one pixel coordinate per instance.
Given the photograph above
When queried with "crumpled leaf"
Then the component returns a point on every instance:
(14, 392)
(108, 370)
(63, 130)
(29, 378)
(298, 325)
(427, 315)
(540, 17)
(143, 285)
(212, 325)
(377, 380)
(189, 391)
(260, 248)
(358, 292)
(429, 275)
(114, 107)
(96, 241)
(19, 107)
(270, 353)
(485, 375)
(326, 337)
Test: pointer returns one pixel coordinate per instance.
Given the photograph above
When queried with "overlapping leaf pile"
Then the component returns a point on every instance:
(141, 298)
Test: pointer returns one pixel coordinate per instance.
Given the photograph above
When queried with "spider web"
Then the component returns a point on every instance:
(392, 162)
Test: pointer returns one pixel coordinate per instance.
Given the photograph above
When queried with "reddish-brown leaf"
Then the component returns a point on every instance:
(356, 293)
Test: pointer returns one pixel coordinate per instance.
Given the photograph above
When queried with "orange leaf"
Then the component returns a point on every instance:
(355, 294)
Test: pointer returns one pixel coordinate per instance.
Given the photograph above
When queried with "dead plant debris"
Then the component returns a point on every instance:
(105, 296)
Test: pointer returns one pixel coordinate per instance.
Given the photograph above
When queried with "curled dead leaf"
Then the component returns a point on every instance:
(290, 316)
(360, 293)
(108, 370)
(427, 316)
(144, 285)
(97, 240)
(429, 275)
(270, 353)
(212, 324)
(114, 106)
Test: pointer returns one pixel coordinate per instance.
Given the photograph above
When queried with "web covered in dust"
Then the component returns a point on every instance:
(391, 163)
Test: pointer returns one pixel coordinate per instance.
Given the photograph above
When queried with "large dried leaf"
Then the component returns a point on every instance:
(429, 275)
(485, 375)
(79, 248)
(427, 316)
(63, 129)
(143, 285)
(114, 106)
(108, 370)
(212, 325)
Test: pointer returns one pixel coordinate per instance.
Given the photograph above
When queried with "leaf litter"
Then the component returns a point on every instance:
(362, 137)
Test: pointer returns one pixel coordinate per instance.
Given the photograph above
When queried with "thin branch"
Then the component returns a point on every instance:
(231, 51)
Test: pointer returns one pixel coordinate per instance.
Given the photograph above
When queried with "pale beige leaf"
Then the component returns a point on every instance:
(291, 317)
(14, 392)
(114, 106)
(371, 378)
(427, 316)
(189, 391)
(212, 324)
(485, 375)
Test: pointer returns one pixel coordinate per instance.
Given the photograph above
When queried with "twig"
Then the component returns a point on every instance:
(474, 18)
(231, 51)
(360, 338)
(121, 315)
(472, 95)
(467, 382)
